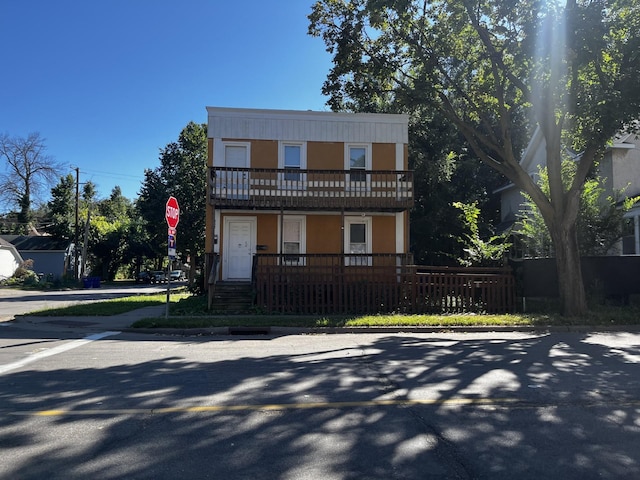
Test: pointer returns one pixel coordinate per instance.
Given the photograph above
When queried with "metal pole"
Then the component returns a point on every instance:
(166, 311)
(76, 240)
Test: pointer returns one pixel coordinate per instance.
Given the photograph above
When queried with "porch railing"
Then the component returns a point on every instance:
(267, 188)
(336, 284)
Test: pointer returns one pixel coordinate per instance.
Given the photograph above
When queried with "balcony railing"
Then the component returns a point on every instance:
(266, 188)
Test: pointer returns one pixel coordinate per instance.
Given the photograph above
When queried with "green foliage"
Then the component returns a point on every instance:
(62, 208)
(109, 229)
(479, 252)
(24, 275)
(183, 174)
(497, 70)
(600, 223)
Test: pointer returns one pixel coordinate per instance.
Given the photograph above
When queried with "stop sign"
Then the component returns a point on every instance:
(172, 213)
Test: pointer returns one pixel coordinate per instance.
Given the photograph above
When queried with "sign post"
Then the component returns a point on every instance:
(172, 215)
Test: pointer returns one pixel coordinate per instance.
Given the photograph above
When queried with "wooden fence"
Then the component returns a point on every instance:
(370, 286)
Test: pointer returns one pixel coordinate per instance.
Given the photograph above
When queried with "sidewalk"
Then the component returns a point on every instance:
(98, 323)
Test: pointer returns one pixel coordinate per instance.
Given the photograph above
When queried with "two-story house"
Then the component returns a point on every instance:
(620, 169)
(306, 204)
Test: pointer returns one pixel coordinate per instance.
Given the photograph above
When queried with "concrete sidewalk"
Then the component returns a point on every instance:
(93, 323)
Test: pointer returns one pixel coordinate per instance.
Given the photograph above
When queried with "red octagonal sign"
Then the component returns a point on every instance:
(172, 213)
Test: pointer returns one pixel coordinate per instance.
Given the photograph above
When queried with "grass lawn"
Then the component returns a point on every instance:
(187, 311)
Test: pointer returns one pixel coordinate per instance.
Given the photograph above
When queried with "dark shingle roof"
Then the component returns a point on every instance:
(35, 242)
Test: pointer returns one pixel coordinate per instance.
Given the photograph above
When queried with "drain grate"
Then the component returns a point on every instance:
(249, 330)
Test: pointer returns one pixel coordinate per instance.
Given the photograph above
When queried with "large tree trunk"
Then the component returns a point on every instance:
(570, 284)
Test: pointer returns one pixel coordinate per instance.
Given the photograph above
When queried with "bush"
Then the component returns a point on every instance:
(24, 275)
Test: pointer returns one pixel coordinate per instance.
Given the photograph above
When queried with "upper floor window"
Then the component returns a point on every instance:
(357, 161)
(292, 157)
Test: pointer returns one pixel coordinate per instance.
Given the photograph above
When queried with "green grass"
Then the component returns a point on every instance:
(187, 311)
(110, 307)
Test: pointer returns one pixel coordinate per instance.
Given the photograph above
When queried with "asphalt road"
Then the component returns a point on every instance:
(306, 407)
(18, 302)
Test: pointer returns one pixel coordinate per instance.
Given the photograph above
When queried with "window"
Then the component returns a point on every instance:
(357, 161)
(358, 240)
(292, 157)
(293, 239)
(292, 162)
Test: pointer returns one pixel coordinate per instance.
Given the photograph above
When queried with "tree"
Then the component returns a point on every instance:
(492, 67)
(183, 174)
(479, 252)
(444, 171)
(28, 171)
(61, 209)
(109, 227)
(600, 223)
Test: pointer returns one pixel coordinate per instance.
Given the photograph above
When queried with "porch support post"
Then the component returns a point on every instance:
(342, 230)
(281, 247)
(636, 233)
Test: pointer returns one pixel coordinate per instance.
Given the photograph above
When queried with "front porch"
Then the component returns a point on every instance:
(376, 283)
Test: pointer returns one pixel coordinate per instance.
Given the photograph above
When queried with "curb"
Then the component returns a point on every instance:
(281, 331)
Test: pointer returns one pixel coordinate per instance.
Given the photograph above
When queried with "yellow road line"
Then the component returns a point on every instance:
(272, 406)
(512, 402)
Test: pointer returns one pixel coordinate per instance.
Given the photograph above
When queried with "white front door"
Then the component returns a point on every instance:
(239, 247)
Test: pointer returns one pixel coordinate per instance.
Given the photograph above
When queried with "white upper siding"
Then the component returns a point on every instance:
(292, 125)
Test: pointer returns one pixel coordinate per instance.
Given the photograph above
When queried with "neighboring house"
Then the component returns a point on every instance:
(51, 256)
(10, 259)
(306, 195)
(620, 167)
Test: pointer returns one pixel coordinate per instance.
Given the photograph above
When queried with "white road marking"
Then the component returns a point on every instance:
(54, 351)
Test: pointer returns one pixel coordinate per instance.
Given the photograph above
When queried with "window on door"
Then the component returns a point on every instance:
(293, 240)
(358, 241)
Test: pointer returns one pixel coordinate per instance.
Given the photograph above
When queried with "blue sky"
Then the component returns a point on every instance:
(109, 83)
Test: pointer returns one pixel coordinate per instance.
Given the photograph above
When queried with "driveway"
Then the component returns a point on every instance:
(18, 302)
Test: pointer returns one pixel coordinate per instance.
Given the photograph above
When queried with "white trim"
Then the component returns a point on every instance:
(400, 157)
(400, 232)
(359, 220)
(216, 231)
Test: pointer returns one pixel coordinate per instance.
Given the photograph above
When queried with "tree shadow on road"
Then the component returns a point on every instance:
(384, 406)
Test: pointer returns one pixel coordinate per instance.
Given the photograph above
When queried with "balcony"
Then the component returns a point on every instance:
(296, 189)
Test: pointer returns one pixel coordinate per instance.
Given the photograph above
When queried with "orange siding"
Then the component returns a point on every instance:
(383, 156)
(324, 234)
(268, 232)
(384, 235)
(325, 156)
(264, 154)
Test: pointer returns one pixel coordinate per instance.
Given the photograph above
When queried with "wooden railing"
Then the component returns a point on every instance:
(264, 188)
(334, 284)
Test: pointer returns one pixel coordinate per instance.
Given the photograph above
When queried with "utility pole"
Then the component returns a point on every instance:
(76, 240)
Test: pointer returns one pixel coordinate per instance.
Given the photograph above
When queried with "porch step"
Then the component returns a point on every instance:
(232, 297)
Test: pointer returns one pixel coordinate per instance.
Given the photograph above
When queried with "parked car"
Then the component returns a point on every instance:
(176, 275)
(158, 276)
(143, 277)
